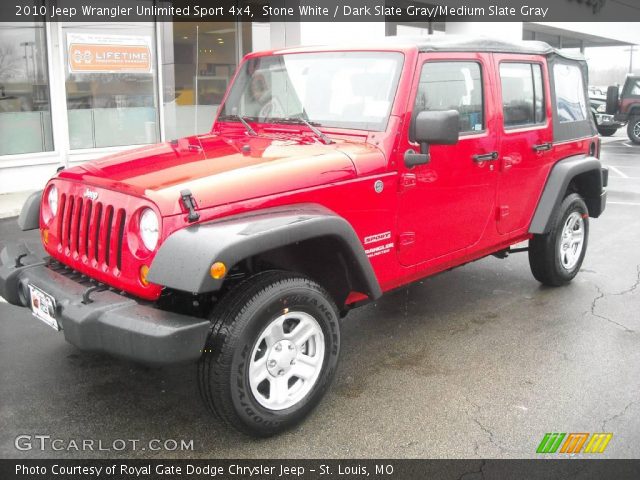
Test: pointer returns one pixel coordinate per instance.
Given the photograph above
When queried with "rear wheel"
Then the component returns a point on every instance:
(556, 257)
(633, 129)
(272, 353)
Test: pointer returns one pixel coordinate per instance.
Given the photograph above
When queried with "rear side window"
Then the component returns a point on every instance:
(635, 89)
(453, 86)
(571, 104)
(522, 94)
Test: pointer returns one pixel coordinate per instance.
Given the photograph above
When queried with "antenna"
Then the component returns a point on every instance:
(195, 120)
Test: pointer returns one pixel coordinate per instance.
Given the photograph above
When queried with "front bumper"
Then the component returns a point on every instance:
(621, 117)
(108, 322)
(604, 120)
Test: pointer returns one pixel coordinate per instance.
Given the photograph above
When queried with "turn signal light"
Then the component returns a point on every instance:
(218, 270)
(45, 236)
(144, 271)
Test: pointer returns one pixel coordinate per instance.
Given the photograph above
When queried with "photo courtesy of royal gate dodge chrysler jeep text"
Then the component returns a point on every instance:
(330, 176)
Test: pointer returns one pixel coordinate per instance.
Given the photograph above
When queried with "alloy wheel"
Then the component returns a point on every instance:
(286, 360)
(572, 240)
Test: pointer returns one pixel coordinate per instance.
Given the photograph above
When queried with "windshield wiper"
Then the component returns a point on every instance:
(250, 130)
(300, 119)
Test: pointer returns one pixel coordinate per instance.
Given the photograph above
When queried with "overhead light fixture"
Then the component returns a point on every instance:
(221, 31)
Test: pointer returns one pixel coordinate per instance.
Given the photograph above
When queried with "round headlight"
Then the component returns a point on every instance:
(601, 108)
(149, 228)
(52, 200)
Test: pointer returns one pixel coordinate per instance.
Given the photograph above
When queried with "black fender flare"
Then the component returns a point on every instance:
(562, 173)
(29, 218)
(184, 259)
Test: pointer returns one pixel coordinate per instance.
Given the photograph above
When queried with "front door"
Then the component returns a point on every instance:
(447, 204)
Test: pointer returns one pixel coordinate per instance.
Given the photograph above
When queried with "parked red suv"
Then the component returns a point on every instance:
(625, 106)
(329, 177)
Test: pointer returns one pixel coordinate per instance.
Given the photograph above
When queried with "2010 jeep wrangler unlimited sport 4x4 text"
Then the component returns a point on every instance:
(329, 177)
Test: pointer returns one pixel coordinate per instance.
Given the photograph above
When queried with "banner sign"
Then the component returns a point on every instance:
(92, 53)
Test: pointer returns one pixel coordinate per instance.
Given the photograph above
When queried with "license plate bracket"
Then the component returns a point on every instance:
(43, 307)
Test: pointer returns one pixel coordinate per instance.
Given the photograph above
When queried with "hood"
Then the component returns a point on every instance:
(221, 169)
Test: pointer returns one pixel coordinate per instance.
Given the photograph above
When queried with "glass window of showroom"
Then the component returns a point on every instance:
(69, 88)
(25, 106)
(198, 61)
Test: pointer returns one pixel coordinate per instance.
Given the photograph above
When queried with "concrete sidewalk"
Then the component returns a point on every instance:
(11, 203)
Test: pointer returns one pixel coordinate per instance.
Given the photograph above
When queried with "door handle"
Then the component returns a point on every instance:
(485, 157)
(543, 147)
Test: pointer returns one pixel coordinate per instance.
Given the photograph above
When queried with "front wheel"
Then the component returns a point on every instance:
(272, 353)
(633, 129)
(556, 257)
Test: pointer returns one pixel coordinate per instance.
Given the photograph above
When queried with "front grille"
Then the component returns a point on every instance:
(91, 231)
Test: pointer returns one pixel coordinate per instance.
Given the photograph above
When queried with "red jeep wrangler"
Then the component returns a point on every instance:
(329, 177)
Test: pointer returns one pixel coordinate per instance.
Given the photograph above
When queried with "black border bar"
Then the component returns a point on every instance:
(319, 10)
(387, 469)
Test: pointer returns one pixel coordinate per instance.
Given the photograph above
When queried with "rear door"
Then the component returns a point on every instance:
(526, 146)
(446, 205)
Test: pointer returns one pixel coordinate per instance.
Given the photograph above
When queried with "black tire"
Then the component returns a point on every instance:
(607, 131)
(613, 96)
(238, 321)
(633, 129)
(544, 250)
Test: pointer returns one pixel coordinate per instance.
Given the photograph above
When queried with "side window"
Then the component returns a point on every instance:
(522, 94)
(453, 86)
(571, 104)
(635, 89)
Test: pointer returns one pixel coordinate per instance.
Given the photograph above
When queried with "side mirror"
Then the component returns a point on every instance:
(433, 128)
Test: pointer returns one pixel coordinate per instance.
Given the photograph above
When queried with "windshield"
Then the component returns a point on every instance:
(329, 89)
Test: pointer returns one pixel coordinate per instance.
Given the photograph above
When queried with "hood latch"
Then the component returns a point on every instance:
(190, 204)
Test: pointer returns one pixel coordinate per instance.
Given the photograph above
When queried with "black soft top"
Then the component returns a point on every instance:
(562, 131)
(464, 43)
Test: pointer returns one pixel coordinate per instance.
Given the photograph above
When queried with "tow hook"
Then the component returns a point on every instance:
(19, 260)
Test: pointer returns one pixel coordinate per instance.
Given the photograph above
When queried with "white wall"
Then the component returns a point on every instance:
(260, 36)
(503, 30)
(22, 178)
(628, 32)
(284, 34)
(322, 33)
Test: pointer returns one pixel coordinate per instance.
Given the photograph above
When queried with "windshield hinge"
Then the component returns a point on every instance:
(190, 204)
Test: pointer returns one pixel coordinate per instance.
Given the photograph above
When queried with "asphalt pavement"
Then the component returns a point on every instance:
(478, 362)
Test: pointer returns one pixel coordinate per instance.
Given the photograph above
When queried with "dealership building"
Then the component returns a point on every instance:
(71, 92)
